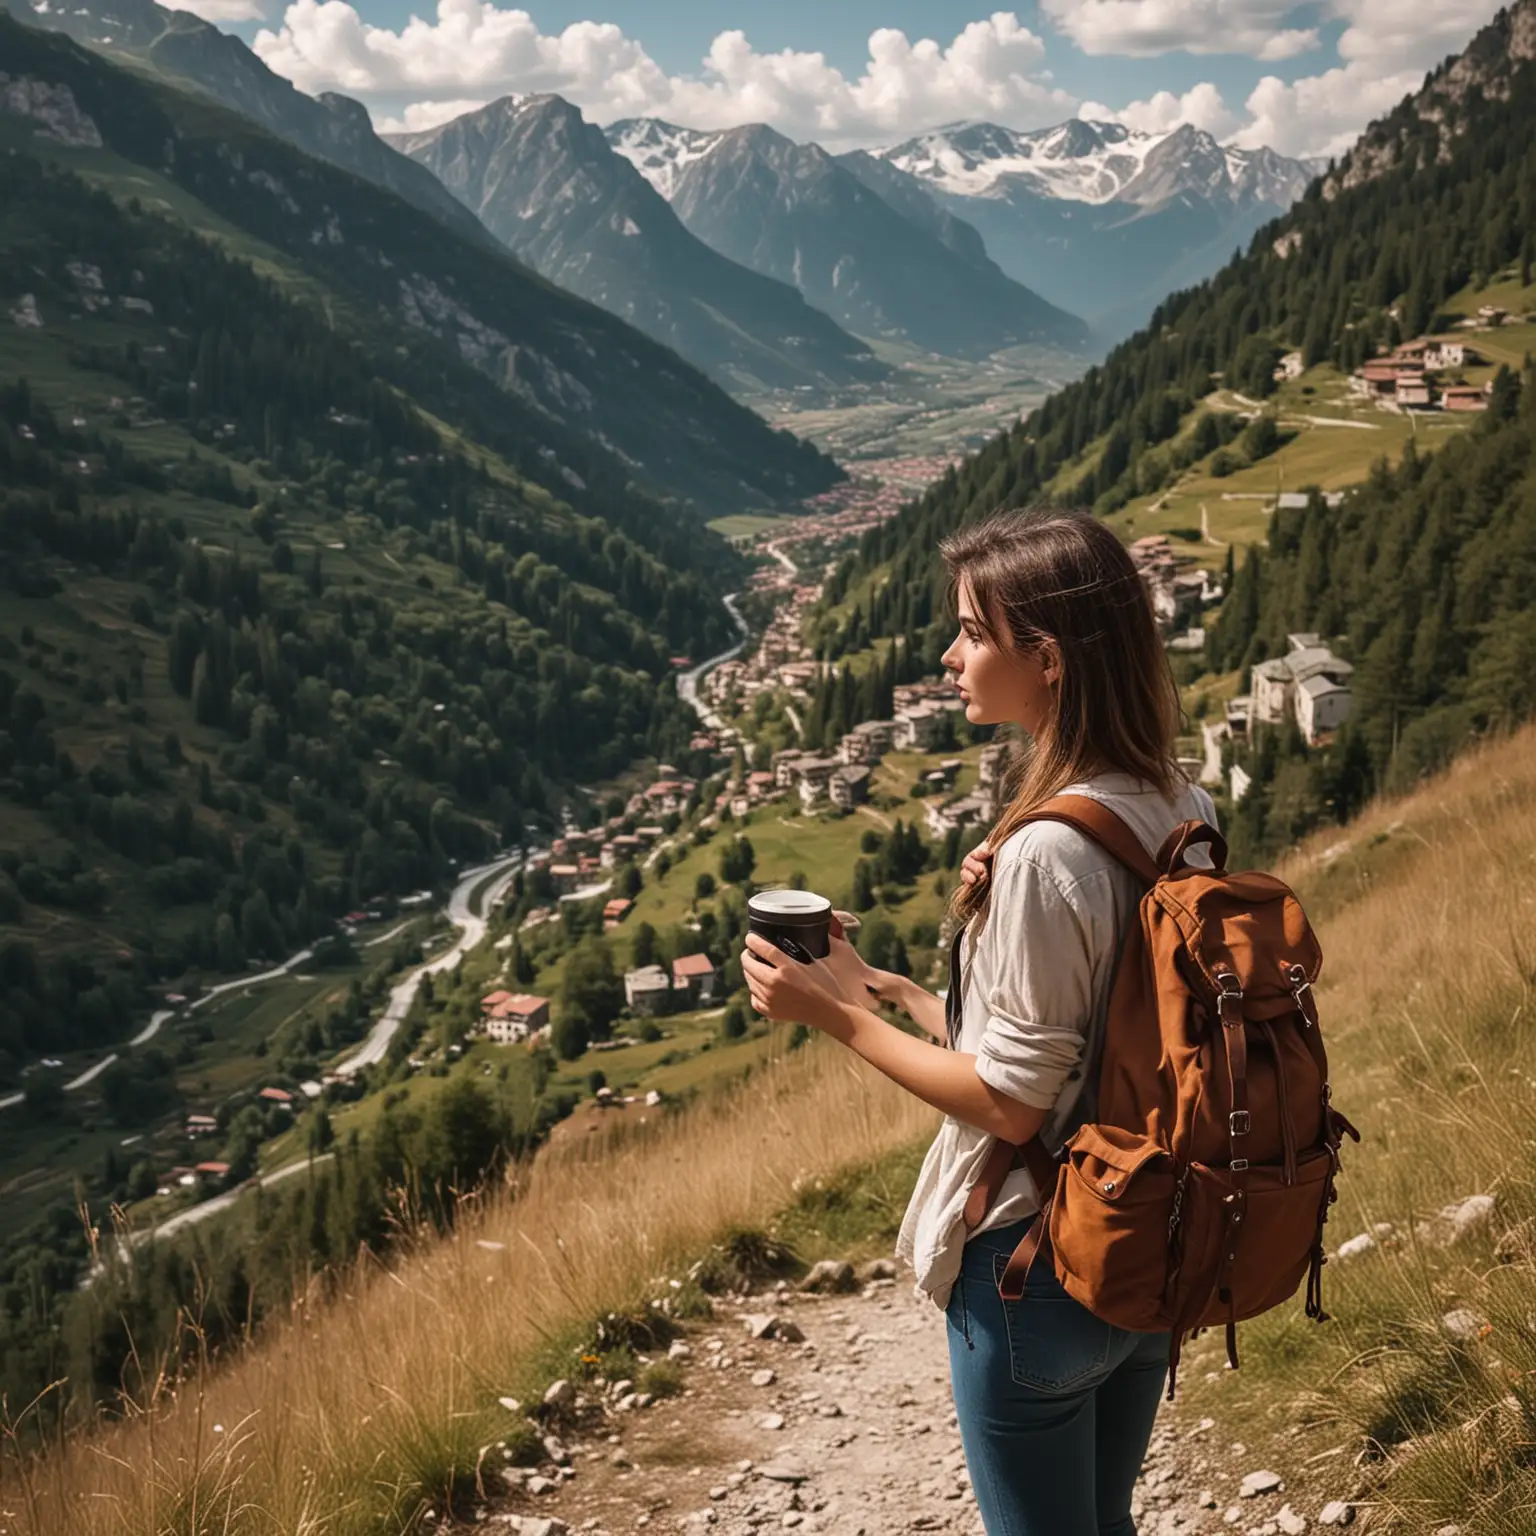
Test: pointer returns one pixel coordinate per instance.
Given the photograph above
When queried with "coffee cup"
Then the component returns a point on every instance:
(797, 922)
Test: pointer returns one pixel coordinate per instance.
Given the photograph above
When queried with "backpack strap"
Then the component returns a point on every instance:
(1095, 821)
(1103, 826)
(1099, 824)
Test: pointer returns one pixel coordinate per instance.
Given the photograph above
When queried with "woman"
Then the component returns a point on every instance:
(1057, 636)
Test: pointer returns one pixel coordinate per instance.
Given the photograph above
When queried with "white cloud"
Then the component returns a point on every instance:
(1385, 50)
(1319, 115)
(992, 68)
(1145, 28)
(1409, 34)
(419, 116)
(1387, 47)
(1201, 105)
(220, 10)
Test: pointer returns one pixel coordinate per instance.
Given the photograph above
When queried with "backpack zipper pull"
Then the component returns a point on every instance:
(1301, 990)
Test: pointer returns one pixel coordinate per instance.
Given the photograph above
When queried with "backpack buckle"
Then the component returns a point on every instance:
(1229, 1000)
(1239, 1122)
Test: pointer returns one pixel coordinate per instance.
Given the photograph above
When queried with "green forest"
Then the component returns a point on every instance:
(523, 644)
(1426, 577)
(1422, 578)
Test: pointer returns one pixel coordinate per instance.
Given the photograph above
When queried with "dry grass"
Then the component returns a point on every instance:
(359, 1415)
(1427, 911)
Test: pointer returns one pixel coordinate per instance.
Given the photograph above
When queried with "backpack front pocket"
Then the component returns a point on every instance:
(1238, 1259)
(1109, 1226)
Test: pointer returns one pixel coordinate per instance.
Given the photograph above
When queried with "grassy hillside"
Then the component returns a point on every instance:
(1423, 578)
(1428, 1050)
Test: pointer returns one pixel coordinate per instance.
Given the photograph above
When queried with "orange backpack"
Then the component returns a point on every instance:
(1198, 1196)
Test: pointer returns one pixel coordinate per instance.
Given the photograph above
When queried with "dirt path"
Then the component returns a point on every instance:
(846, 1430)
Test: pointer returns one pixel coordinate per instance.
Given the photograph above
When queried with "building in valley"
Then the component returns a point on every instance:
(848, 787)
(647, 990)
(514, 1016)
(1463, 397)
(867, 742)
(1322, 706)
(942, 817)
(812, 774)
(693, 980)
(1309, 683)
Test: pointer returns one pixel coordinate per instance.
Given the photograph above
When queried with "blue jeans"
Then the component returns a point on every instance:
(1055, 1407)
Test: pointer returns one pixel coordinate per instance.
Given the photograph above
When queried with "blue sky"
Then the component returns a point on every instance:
(1304, 78)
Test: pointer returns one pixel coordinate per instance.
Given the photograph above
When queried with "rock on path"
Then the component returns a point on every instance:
(848, 1431)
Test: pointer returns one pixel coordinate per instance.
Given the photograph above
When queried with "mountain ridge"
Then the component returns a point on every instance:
(1098, 219)
(608, 400)
(1485, 66)
(794, 212)
(549, 186)
(1093, 162)
(183, 47)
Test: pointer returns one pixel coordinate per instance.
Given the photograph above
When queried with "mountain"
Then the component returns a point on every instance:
(333, 550)
(1487, 68)
(1425, 578)
(914, 201)
(182, 47)
(549, 185)
(794, 212)
(554, 381)
(1101, 218)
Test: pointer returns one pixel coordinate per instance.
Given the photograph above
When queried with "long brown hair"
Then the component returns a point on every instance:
(1064, 577)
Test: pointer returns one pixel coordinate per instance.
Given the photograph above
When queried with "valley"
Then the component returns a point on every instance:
(930, 405)
(443, 574)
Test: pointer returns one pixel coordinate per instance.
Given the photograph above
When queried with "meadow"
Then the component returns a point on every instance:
(357, 1415)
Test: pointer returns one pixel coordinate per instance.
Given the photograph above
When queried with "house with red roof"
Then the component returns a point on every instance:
(517, 1016)
(694, 976)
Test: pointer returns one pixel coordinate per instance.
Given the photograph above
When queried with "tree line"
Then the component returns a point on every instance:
(1337, 276)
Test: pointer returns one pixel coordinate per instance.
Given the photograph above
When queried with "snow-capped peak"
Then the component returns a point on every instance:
(1093, 162)
(659, 151)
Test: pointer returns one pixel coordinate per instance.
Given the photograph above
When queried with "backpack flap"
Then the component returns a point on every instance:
(1249, 926)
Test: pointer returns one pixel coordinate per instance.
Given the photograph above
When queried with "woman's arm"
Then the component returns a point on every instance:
(918, 1003)
(945, 1079)
(789, 991)
(857, 980)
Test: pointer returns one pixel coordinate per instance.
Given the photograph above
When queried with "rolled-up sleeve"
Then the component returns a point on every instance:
(1040, 1001)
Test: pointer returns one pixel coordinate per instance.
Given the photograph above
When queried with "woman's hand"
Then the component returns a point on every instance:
(790, 991)
(856, 978)
(976, 865)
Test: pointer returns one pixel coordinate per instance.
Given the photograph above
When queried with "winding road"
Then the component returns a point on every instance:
(491, 880)
(487, 881)
(459, 911)
(688, 682)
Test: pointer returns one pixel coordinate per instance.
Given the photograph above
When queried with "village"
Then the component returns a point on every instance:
(1309, 685)
(1419, 375)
